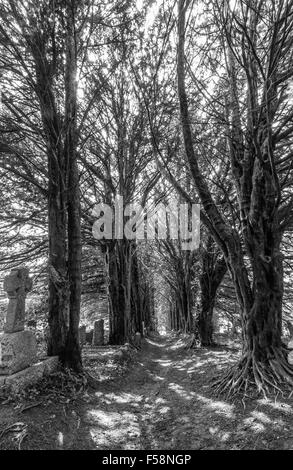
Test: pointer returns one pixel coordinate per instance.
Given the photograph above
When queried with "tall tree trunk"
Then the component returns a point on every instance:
(263, 322)
(210, 279)
(60, 133)
(73, 353)
(116, 290)
(58, 318)
(58, 281)
(264, 361)
(136, 296)
(148, 302)
(124, 292)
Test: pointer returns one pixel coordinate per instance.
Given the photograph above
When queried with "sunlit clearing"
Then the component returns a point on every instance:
(261, 416)
(113, 428)
(277, 405)
(181, 391)
(163, 362)
(157, 378)
(254, 426)
(164, 410)
(220, 407)
(121, 398)
(162, 345)
(216, 431)
(158, 400)
(108, 419)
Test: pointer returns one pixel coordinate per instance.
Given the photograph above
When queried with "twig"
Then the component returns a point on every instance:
(28, 407)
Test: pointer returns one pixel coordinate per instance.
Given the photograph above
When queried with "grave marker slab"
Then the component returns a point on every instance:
(98, 336)
(82, 335)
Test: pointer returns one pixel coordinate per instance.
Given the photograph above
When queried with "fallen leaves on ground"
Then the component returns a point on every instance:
(157, 398)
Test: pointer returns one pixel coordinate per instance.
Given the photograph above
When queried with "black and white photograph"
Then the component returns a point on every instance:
(146, 228)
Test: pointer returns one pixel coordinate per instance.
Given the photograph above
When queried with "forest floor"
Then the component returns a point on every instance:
(161, 400)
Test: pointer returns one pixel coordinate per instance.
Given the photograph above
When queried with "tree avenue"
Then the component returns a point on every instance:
(150, 103)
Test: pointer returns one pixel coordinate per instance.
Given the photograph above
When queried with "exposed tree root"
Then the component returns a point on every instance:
(274, 375)
(92, 381)
(193, 342)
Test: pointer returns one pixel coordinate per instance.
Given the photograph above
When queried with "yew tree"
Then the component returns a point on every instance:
(41, 45)
(117, 161)
(255, 57)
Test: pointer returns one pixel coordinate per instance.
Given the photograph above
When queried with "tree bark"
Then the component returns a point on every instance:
(210, 279)
(73, 352)
(259, 293)
(117, 264)
(58, 283)
(57, 204)
(125, 297)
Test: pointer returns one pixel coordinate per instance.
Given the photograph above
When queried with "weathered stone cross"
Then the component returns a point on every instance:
(17, 284)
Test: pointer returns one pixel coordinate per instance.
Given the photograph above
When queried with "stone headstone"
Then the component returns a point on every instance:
(17, 284)
(18, 347)
(82, 335)
(98, 336)
(137, 340)
(19, 365)
(89, 336)
(17, 351)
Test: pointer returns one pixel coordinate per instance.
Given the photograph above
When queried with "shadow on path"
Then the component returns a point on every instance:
(165, 402)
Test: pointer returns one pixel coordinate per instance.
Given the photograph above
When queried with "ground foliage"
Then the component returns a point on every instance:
(163, 400)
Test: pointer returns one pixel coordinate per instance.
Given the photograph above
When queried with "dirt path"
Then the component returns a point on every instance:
(143, 409)
(163, 402)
